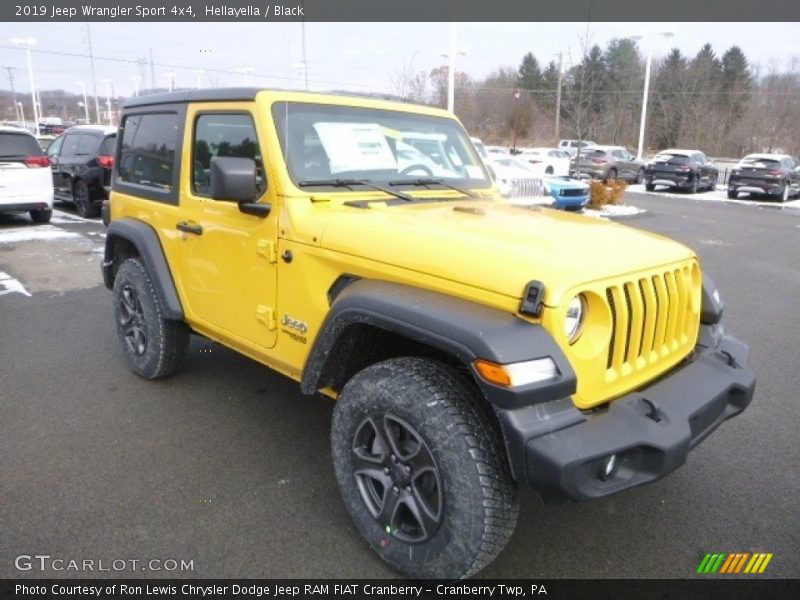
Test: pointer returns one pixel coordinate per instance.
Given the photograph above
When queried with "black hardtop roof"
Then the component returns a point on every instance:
(230, 95)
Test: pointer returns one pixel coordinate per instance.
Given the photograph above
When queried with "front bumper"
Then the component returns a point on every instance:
(562, 451)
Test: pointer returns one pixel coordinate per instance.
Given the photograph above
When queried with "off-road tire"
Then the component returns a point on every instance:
(82, 198)
(154, 346)
(42, 215)
(479, 502)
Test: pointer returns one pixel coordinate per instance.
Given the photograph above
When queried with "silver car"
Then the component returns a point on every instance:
(608, 162)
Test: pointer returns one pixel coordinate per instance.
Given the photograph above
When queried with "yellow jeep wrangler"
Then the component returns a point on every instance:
(360, 247)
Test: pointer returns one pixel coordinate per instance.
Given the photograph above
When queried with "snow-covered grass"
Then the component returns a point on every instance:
(720, 194)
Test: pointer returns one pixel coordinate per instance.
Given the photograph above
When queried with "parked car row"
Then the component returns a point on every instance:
(75, 167)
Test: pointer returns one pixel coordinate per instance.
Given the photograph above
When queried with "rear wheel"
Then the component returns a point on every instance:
(695, 184)
(713, 185)
(82, 198)
(549, 171)
(612, 175)
(422, 470)
(41, 215)
(732, 194)
(650, 187)
(154, 346)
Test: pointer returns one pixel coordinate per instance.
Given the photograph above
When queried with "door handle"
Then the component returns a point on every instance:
(187, 227)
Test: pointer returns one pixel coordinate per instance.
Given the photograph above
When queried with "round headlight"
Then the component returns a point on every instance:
(576, 312)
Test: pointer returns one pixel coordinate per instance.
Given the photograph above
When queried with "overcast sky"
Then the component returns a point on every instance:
(346, 56)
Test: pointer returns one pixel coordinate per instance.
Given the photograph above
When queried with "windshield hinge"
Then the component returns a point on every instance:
(267, 249)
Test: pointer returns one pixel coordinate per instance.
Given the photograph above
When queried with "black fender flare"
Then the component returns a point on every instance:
(148, 247)
(460, 328)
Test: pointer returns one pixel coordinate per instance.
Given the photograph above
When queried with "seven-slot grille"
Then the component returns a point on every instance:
(526, 188)
(651, 317)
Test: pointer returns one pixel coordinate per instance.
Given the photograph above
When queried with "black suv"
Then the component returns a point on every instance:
(769, 174)
(688, 170)
(81, 161)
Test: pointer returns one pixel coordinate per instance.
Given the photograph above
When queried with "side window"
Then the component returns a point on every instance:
(147, 154)
(55, 147)
(70, 145)
(87, 144)
(617, 154)
(224, 135)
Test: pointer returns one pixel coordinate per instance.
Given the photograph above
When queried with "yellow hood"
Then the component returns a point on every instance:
(495, 246)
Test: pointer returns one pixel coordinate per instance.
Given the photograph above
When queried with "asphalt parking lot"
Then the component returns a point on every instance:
(227, 464)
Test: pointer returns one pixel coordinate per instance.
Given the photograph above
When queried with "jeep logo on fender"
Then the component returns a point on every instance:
(288, 321)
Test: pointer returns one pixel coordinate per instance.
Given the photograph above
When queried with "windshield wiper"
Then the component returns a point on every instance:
(351, 182)
(433, 181)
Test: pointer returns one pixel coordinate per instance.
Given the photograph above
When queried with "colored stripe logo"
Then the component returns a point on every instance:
(734, 563)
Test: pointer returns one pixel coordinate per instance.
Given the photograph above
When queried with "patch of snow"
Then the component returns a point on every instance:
(10, 285)
(611, 211)
(37, 233)
(59, 216)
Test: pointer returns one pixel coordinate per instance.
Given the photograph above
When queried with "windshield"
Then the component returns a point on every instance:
(324, 142)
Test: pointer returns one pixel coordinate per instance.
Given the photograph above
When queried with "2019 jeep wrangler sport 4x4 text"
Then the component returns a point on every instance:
(359, 247)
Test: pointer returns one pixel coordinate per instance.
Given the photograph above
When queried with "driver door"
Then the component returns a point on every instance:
(229, 258)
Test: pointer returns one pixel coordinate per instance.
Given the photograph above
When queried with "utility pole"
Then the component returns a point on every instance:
(94, 79)
(558, 96)
(13, 92)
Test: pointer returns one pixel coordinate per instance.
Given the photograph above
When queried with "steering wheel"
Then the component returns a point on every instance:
(416, 170)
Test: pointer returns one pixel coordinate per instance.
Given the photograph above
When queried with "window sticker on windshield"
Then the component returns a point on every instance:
(474, 171)
(355, 147)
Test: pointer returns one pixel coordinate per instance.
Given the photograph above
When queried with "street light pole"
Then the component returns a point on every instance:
(108, 100)
(85, 100)
(28, 42)
(245, 71)
(516, 106)
(136, 79)
(22, 115)
(643, 121)
(451, 68)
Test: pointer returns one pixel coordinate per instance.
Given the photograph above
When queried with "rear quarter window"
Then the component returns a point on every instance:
(147, 154)
(87, 144)
(108, 146)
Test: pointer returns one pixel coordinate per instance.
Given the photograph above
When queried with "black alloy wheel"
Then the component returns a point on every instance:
(398, 478)
(131, 320)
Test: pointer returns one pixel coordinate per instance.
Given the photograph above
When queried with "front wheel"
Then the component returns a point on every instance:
(732, 194)
(640, 176)
(422, 470)
(785, 194)
(153, 345)
(650, 187)
(612, 175)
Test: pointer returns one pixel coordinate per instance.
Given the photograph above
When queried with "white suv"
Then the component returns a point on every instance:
(26, 183)
(571, 146)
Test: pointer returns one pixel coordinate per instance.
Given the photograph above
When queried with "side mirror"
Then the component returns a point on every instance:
(233, 179)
